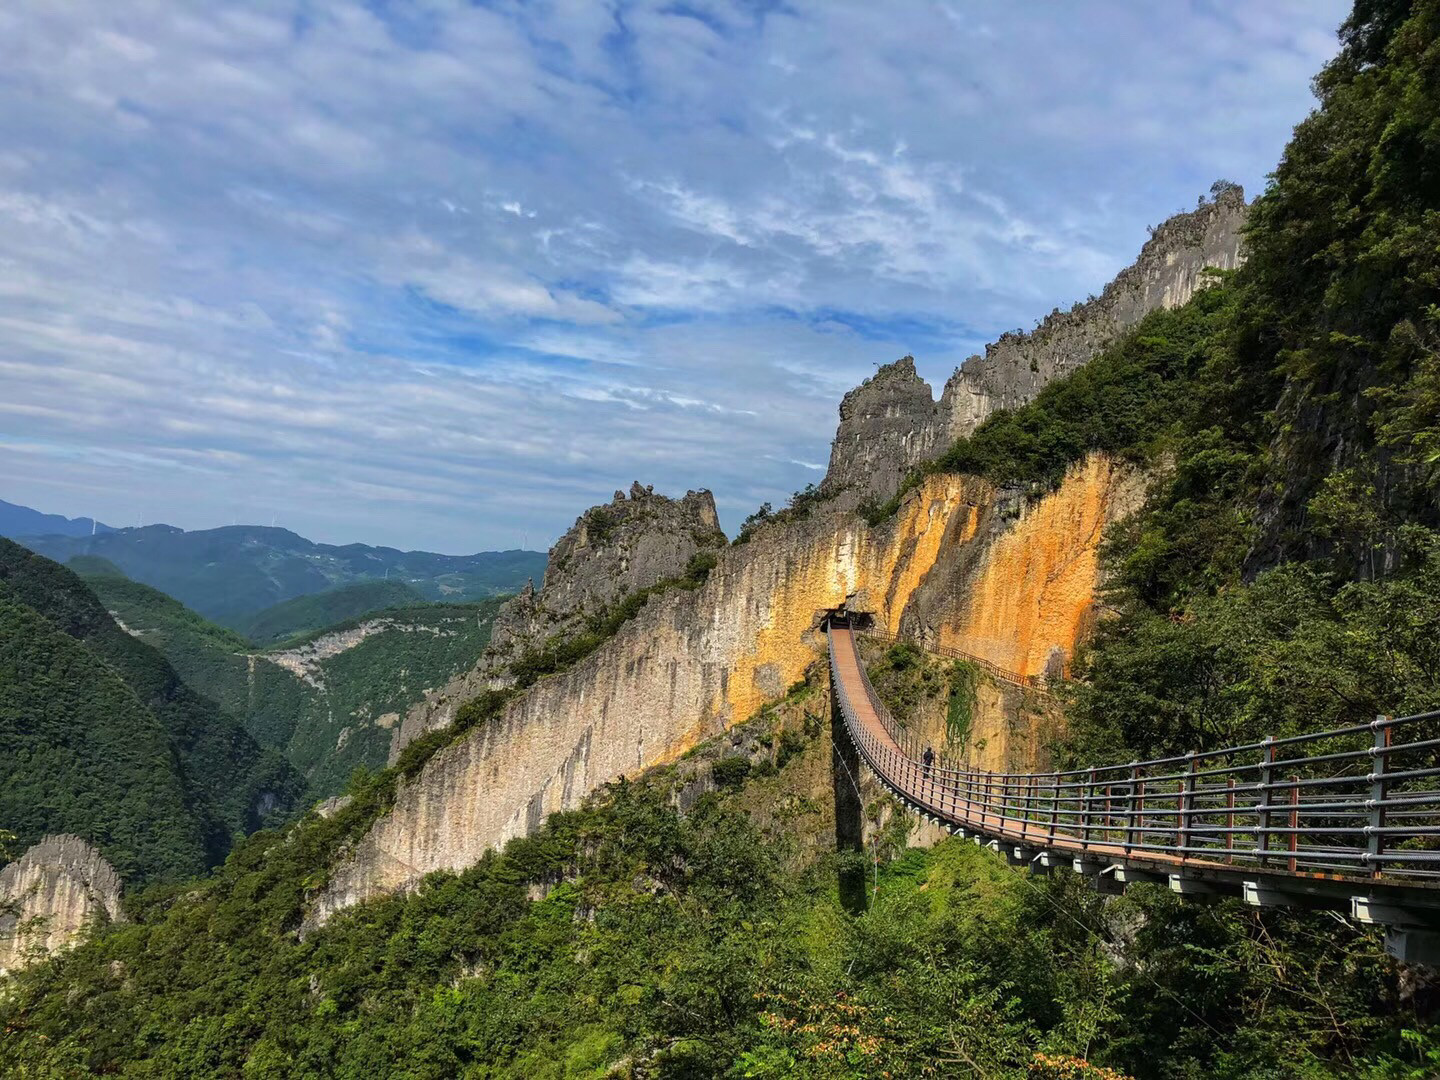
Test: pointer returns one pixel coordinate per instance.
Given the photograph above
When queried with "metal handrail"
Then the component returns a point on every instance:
(1236, 807)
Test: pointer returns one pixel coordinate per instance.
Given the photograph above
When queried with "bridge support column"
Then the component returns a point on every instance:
(1411, 946)
(849, 812)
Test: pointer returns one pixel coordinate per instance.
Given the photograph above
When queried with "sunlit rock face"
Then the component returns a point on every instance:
(613, 550)
(693, 663)
(50, 896)
(998, 574)
(890, 423)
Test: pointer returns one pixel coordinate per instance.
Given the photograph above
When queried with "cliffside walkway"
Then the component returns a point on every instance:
(1346, 819)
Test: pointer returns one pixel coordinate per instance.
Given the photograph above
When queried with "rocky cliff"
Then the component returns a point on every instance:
(891, 423)
(613, 550)
(695, 662)
(56, 890)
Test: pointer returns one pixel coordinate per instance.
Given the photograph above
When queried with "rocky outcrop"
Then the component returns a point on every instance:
(613, 550)
(50, 896)
(307, 661)
(890, 423)
(887, 424)
(695, 662)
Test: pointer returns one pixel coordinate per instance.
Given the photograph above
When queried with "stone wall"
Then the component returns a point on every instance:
(48, 897)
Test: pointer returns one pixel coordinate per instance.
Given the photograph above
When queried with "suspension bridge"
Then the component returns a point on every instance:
(1346, 820)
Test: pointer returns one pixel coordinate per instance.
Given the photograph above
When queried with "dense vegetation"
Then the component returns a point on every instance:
(230, 574)
(683, 946)
(102, 738)
(306, 614)
(1283, 572)
(328, 725)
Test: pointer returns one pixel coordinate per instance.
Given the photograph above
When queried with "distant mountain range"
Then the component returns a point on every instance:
(230, 574)
(18, 521)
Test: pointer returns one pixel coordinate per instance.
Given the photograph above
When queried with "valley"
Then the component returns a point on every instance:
(654, 804)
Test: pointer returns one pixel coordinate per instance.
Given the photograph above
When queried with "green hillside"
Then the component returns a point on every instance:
(342, 715)
(92, 709)
(1283, 571)
(306, 614)
(79, 753)
(367, 688)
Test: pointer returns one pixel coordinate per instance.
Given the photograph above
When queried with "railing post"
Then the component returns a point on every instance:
(1380, 753)
(1054, 804)
(1267, 762)
(1137, 805)
(1187, 802)
(1294, 821)
(1088, 798)
(1025, 812)
(1230, 820)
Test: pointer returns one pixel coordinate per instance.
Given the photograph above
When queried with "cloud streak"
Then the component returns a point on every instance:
(442, 275)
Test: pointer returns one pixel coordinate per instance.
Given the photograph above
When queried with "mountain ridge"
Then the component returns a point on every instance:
(231, 573)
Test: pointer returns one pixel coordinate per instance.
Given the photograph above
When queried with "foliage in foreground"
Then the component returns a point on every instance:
(673, 946)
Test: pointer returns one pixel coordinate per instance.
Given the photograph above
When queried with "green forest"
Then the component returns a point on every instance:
(101, 737)
(1283, 572)
(330, 724)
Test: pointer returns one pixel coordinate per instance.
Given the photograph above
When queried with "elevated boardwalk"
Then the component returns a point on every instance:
(1346, 819)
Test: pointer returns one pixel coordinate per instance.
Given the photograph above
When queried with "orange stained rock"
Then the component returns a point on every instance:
(1036, 587)
(887, 562)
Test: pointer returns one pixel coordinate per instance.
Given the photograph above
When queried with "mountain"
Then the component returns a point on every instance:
(22, 521)
(232, 573)
(101, 738)
(329, 700)
(306, 614)
(660, 857)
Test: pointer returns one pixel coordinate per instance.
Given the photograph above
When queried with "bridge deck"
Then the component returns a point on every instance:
(1280, 834)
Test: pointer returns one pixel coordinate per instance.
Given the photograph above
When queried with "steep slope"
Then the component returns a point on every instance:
(307, 614)
(16, 520)
(328, 702)
(79, 753)
(231, 783)
(693, 662)
(231, 573)
(598, 574)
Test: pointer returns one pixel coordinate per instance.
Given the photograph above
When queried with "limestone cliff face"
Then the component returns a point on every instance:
(612, 550)
(694, 663)
(1024, 594)
(49, 897)
(890, 423)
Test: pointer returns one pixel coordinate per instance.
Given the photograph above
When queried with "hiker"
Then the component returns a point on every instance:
(929, 759)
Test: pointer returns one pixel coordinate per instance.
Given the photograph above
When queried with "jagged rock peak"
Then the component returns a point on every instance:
(886, 423)
(613, 550)
(890, 423)
(50, 895)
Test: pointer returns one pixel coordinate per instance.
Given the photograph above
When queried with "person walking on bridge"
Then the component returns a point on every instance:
(929, 759)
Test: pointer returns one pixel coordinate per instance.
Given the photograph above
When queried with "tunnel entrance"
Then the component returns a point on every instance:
(844, 615)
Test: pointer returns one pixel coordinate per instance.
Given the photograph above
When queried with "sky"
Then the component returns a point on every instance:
(441, 275)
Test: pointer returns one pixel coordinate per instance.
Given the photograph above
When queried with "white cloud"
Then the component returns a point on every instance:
(442, 275)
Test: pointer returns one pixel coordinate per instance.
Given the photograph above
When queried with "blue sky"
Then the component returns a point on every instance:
(441, 275)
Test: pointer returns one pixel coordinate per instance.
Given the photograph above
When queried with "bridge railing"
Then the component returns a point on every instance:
(1360, 801)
